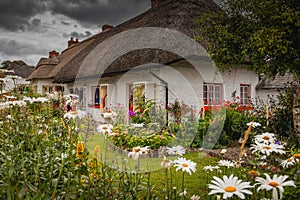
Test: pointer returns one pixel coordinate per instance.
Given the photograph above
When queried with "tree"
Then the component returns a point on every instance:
(5, 64)
(264, 34)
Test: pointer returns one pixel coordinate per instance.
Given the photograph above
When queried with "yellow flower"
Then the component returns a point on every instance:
(96, 149)
(83, 181)
(93, 176)
(253, 174)
(79, 149)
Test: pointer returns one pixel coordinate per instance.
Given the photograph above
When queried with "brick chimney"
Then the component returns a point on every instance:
(72, 41)
(106, 27)
(53, 54)
(154, 3)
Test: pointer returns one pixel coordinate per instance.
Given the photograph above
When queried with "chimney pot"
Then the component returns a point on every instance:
(72, 41)
(53, 54)
(106, 27)
(154, 3)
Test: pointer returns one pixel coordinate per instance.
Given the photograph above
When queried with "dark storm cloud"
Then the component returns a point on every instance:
(78, 35)
(35, 25)
(12, 47)
(15, 15)
(65, 23)
(99, 12)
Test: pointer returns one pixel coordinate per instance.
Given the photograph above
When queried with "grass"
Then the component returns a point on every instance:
(195, 183)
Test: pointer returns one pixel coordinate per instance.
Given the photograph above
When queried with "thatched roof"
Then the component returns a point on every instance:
(178, 15)
(47, 68)
(69, 54)
(20, 68)
(279, 82)
(43, 68)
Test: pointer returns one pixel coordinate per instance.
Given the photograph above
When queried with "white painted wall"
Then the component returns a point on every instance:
(9, 84)
(232, 80)
(43, 82)
(185, 83)
(264, 95)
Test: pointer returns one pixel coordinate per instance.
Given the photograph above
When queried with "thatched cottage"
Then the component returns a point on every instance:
(15, 75)
(153, 52)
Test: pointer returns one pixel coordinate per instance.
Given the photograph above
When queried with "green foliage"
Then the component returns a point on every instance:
(129, 137)
(264, 33)
(44, 157)
(237, 116)
(280, 115)
(5, 64)
(143, 107)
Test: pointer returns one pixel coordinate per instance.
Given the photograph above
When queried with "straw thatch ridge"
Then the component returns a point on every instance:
(68, 54)
(279, 82)
(43, 68)
(20, 68)
(47, 68)
(179, 15)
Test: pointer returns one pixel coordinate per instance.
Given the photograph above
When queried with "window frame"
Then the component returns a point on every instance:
(209, 91)
(245, 100)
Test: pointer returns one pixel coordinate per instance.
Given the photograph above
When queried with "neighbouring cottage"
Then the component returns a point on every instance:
(15, 76)
(42, 78)
(153, 53)
(267, 88)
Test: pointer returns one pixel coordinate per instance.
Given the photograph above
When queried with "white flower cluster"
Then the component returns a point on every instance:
(75, 114)
(253, 124)
(265, 144)
(229, 186)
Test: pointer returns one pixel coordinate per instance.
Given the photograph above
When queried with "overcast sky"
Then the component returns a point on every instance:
(29, 29)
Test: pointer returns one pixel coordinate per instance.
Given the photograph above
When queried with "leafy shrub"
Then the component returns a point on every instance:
(127, 138)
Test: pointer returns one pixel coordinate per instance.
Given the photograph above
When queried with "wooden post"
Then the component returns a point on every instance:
(267, 114)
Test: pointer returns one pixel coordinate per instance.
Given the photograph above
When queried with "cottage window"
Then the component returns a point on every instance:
(212, 93)
(47, 89)
(245, 93)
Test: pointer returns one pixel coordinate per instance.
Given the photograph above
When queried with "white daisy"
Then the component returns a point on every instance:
(226, 163)
(185, 165)
(223, 151)
(229, 186)
(210, 168)
(137, 151)
(266, 138)
(40, 99)
(141, 125)
(107, 115)
(277, 182)
(195, 197)
(288, 162)
(183, 194)
(176, 150)
(166, 163)
(75, 114)
(9, 97)
(267, 149)
(253, 124)
(238, 163)
(104, 128)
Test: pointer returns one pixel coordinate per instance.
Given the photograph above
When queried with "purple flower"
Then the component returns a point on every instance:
(131, 113)
(278, 143)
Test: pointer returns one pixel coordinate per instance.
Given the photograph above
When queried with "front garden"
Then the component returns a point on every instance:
(49, 153)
